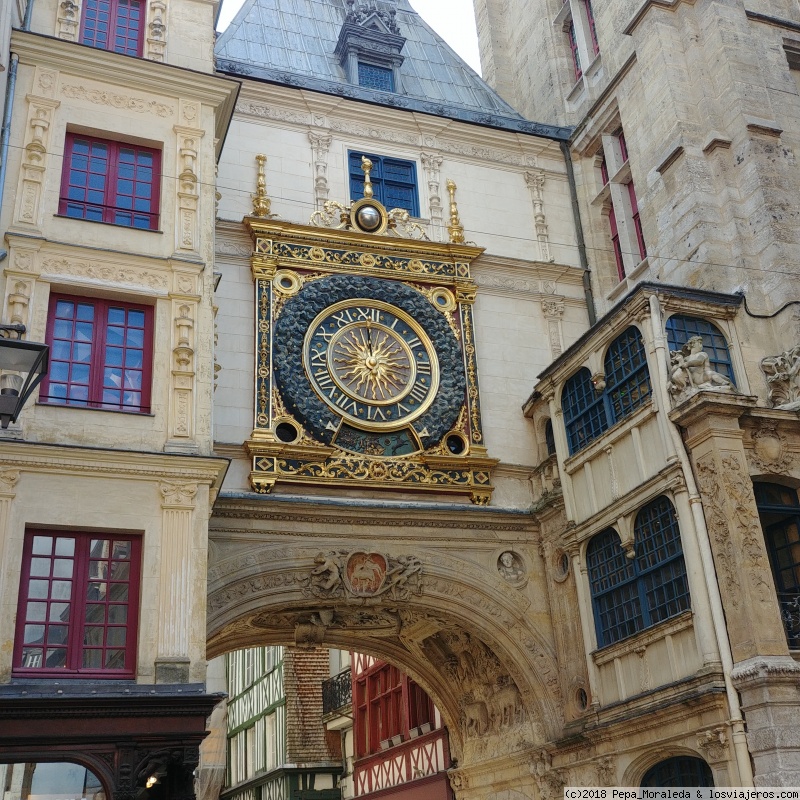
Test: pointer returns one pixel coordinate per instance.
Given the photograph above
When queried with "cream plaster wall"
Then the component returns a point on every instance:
(78, 490)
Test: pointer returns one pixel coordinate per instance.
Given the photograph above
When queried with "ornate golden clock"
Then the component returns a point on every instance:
(366, 371)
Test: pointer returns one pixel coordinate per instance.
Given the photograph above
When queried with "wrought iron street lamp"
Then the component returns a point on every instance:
(23, 364)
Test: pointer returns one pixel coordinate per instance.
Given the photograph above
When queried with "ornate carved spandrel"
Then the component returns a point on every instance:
(782, 373)
(339, 574)
(690, 372)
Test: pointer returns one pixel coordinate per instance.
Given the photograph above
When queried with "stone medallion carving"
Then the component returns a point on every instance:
(339, 574)
(512, 569)
(770, 451)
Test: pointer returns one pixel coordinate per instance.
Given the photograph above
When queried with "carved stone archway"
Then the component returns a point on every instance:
(419, 586)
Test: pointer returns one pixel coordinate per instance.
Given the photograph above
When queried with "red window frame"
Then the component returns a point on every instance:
(615, 243)
(573, 47)
(111, 182)
(78, 605)
(116, 25)
(381, 708)
(637, 222)
(592, 28)
(101, 354)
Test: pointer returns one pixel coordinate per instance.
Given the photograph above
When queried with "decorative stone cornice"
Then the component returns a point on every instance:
(766, 670)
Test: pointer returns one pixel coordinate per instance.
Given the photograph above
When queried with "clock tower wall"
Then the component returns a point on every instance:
(513, 302)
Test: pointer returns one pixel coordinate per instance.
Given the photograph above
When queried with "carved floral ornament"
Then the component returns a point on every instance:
(770, 451)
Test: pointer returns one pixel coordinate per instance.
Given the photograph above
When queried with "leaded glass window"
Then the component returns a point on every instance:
(627, 378)
(584, 411)
(631, 594)
(374, 77)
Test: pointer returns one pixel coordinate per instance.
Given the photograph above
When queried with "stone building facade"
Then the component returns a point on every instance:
(109, 477)
(685, 120)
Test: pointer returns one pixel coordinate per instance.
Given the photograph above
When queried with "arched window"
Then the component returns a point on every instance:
(587, 412)
(627, 378)
(630, 595)
(678, 772)
(584, 412)
(681, 328)
(549, 438)
(779, 509)
(58, 779)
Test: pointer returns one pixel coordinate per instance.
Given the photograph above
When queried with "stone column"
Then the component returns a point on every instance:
(8, 482)
(175, 584)
(320, 145)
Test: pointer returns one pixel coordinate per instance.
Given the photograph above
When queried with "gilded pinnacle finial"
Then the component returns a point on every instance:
(261, 203)
(455, 228)
(366, 165)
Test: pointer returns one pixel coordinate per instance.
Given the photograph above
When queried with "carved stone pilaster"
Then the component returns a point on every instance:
(553, 310)
(8, 482)
(18, 300)
(156, 30)
(535, 182)
(34, 161)
(176, 582)
(715, 442)
(187, 235)
(320, 145)
(431, 164)
(69, 12)
(182, 412)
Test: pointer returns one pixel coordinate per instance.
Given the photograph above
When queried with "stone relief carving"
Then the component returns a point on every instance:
(18, 302)
(535, 182)
(269, 112)
(122, 101)
(157, 31)
(381, 134)
(320, 145)
(8, 479)
(34, 158)
(770, 452)
(713, 743)
(68, 16)
(188, 196)
(783, 379)
(363, 12)
(100, 272)
(690, 372)
(551, 781)
(606, 771)
(361, 575)
(512, 568)
(432, 163)
(178, 494)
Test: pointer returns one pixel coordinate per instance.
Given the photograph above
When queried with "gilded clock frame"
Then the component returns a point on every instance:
(287, 256)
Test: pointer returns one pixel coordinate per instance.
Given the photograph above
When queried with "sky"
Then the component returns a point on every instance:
(453, 20)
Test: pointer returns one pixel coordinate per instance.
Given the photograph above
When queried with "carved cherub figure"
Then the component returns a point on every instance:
(327, 565)
(690, 371)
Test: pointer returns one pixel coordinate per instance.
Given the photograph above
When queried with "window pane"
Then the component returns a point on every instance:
(40, 567)
(36, 612)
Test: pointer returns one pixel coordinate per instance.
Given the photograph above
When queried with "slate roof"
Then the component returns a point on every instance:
(292, 42)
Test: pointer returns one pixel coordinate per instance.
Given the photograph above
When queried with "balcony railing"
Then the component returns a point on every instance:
(790, 614)
(337, 692)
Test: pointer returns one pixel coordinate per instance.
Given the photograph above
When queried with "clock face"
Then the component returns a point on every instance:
(368, 365)
(371, 363)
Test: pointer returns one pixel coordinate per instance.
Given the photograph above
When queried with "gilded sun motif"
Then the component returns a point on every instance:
(372, 363)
